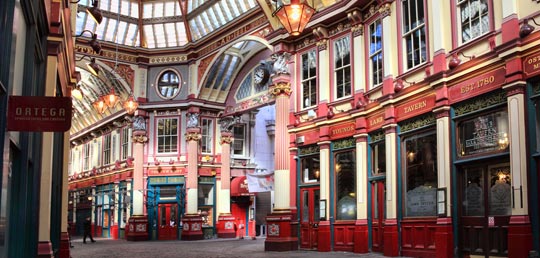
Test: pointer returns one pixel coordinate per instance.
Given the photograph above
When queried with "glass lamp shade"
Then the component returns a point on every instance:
(100, 105)
(77, 93)
(130, 105)
(111, 99)
(93, 67)
(95, 13)
(295, 16)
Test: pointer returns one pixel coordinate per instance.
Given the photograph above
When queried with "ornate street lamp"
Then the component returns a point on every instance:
(130, 105)
(294, 16)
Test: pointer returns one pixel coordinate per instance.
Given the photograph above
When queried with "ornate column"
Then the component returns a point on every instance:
(281, 235)
(519, 230)
(192, 221)
(444, 235)
(391, 234)
(324, 236)
(225, 220)
(138, 222)
(361, 226)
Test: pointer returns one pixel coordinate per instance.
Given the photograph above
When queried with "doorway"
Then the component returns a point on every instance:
(309, 214)
(485, 196)
(378, 192)
(168, 221)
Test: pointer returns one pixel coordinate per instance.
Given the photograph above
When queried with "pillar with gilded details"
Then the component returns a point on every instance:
(281, 235)
(226, 220)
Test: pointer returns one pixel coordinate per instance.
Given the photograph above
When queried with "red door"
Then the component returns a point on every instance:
(309, 214)
(168, 221)
(485, 202)
(378, 190)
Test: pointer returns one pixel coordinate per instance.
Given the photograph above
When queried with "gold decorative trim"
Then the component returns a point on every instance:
(281, 88)
(309, 150)
(385, 10)
(226, 139)
(357, 30)
(416, 123)
(322, 44)
(479, 103)
(377, 136)
(345, 143)
(140, 139)
(193, 136)
(168, 59)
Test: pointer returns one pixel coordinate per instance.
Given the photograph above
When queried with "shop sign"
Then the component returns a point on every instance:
(341, 131)
(531, 64)
(39, 114)
(477, 85)
(415, 107)
(375, 122)
(484, 134)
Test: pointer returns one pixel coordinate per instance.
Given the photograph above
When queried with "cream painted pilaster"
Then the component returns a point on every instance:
(444, 162)
(518, 146)
(324, 180)
(324, 66)
(361, 176)
(440, 28)
(391, 170)
(509, 7)
(390, 42)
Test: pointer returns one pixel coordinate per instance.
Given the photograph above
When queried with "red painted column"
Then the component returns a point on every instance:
(192, 221)
(444, 238)
(282, 233)
(225, 227)
(361, 243)
(138, 222)
(390, 238)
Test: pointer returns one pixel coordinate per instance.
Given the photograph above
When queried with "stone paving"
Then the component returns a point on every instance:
(215, 248)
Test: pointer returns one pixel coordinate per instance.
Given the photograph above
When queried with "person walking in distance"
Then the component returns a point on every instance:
(88, 230)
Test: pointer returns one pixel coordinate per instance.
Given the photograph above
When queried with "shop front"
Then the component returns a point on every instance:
(165, 203)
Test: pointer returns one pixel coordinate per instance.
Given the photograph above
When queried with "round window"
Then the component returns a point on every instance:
(168, 84)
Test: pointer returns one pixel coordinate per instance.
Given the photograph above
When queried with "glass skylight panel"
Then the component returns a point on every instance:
(233, 6)
(219, 13)
(122, 32)
(132, 35)
(182, 37)
(212, 17)
(212, 74)
(126, 7)
(195, 32)
(206, 20)
(159, 33)
(226, 11)
(171, 8)
(147, 10)
(229, 73)
(149, 32)
(115, 5)
(134, 10)
(158, 10)
(170, 28)
(104, 5)
(110, 30)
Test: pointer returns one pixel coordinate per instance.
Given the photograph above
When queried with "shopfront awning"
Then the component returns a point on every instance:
(239, 187)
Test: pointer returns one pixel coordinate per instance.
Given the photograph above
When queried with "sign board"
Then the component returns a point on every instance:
(39, 114)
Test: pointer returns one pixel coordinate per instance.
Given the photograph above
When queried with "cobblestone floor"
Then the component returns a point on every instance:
(216, 248)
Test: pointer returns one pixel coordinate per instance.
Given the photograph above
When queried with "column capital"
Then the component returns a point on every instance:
(515, 88)
(193, 136)
(139, 138)
(226, 139)
(385, 10)
(281, 88)
(226, 123)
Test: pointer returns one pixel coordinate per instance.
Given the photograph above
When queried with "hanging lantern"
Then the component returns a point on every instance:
(294, 16)
(130, 105)
(100, 105)
(76, 92)
(111, 99)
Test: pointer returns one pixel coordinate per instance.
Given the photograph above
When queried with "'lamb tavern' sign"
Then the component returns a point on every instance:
(39, 114)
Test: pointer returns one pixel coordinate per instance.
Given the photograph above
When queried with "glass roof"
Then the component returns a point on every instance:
(165, 23)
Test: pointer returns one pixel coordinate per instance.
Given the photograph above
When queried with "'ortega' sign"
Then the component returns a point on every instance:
(39, 114)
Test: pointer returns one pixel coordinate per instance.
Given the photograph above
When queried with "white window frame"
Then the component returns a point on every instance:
(345, 70)
(237, 140)
(125, 143)
(460, 5)
(87, 152)
(414, 27)
(171, 135)
(207, 133)
(107, 149)
(310, 80)
(376, 67)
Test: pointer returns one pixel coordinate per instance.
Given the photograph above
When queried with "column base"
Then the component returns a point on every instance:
(137, 228)
(192, 227)
(45, 249)
(519, 236)
(280, 236)
(390, 236)
(323, 237)
(361, 236)
(225, 227)
(444, 238)
(65, 245)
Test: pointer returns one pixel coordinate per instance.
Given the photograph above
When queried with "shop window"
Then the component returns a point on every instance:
(167, 135)
(345, 186)
(206, 191)
(342, 67)
(239, 135)
(375, 53)
(473, 19)
(378, 158)
(420, 175)
(414, 32)
(168, 84)
(310, 167)
(536, 113)
(309, 79)
(500, 191)
(207, 136)
(483, 134)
